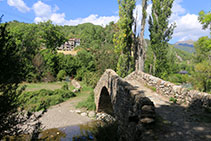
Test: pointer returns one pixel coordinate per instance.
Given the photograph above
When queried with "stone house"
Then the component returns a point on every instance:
(70, 44)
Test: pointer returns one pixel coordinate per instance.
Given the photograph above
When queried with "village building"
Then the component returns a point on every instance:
(69, 45)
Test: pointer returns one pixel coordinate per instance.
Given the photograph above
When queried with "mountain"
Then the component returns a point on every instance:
(188, 43)
(187, 46)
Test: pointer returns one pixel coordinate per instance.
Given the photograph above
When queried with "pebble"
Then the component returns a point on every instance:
(78, 111)
(84, 114)
(71, 111)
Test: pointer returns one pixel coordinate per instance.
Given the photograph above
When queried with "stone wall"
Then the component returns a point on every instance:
(183, 95)
(130, 107)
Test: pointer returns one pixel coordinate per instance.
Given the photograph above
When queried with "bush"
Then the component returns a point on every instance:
(91, 78)
(178, 78)
(61, 75)
(42, 99)
(65, 87)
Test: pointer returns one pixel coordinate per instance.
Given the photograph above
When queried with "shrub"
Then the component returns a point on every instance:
(65, 87)
(61, 75)
(42, 99)
(91, 78)
(178, 78)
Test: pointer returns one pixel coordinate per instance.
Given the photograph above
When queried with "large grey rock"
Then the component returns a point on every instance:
(91, 114)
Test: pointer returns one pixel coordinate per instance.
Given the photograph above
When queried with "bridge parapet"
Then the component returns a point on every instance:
(167, 89)
(125, 102)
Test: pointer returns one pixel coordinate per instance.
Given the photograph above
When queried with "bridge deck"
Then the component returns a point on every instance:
(179, 121)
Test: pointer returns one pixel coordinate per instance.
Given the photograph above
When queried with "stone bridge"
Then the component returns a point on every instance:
(130, 106)
(129, 100)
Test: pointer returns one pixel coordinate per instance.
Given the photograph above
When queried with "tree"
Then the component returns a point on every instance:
(203, 49)
(52, 37)
(11, 75)
(123, 38)
(205, 19)
(141, 48)
(27, 39)
(160, 34)
(201, 76)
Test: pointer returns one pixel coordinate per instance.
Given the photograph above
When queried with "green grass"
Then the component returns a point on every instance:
(43, 85)
(42, 99)
(174, 100)
(40, 96)
(151, 87)
(89, 103)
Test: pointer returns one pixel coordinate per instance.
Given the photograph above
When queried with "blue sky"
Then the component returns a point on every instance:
(101, 12)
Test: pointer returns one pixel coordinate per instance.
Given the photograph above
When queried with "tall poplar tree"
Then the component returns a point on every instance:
(141, 47)
(123, 37)
(160, 34)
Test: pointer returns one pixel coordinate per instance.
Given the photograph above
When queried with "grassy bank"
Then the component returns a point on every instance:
(43, 85)
(40, 96)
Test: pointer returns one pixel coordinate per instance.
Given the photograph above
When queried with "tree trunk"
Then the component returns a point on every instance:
(141, 49)
(135, 43)
(154, 64)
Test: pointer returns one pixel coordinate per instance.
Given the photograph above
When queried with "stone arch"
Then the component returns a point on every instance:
(105, 104)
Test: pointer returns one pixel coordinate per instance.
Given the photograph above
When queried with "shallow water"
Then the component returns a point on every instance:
(69, 133)
(77, 132)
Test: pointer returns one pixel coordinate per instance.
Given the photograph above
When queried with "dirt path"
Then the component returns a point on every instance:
(62, 115)
(179, 122)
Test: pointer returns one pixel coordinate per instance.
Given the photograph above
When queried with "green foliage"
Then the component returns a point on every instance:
(201, 77)
(151, 87)
(178, 78)
(203, 49)
(11, 70)
(61, 75)
(174, 100)
(42, 99)
(91, 78)
(205, 19)
(52, 36)
(185, 48)
(65, 87)
(122, 65)
(201, 74)
(160, 34)
(89, 103)
(123, 38)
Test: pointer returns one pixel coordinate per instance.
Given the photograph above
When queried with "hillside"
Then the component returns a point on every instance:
(187, 46)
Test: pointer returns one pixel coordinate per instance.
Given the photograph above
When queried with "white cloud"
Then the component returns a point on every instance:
(45, 12)
(138, 11)
(177, 8)
(58, 18)
(187, 25)
(42, 10)
(95, 19)
(19, 4)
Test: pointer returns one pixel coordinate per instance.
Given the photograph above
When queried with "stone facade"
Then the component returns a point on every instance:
(132, 109)
(69, 45)
(183, 95)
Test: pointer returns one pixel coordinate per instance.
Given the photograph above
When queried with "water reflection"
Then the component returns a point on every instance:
(90, 131)
(52, 134)
(70, 133)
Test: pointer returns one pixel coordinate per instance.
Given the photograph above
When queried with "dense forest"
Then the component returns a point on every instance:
(28, 53)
